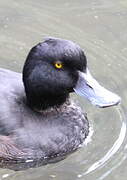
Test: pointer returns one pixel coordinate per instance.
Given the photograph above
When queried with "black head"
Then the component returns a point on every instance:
(51, 71)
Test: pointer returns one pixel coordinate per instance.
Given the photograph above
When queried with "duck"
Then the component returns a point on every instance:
(39, 122)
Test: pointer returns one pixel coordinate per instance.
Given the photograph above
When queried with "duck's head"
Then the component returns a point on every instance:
(57, 67)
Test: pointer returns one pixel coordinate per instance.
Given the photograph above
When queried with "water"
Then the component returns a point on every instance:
(100, 27)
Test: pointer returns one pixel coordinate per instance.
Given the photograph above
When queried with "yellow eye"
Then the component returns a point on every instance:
(58, 65)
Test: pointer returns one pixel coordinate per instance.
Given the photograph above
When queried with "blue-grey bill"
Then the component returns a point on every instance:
(89, 88)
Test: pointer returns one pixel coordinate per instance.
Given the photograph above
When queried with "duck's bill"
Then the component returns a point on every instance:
(89, 88)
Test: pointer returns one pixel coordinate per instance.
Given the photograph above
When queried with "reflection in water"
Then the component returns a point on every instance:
(113, 150)
(100, 28)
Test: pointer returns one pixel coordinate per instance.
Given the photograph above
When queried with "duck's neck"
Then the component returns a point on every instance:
(43, 102)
